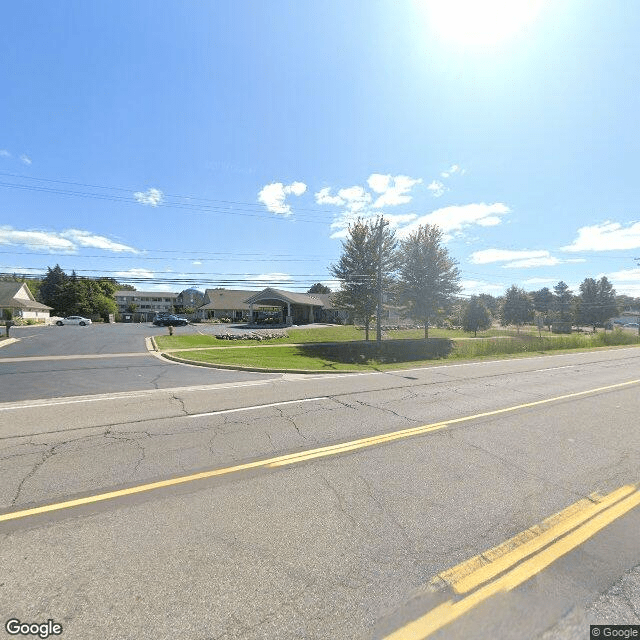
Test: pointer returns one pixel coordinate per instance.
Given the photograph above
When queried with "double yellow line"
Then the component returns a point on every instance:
(512, 563)
(303, 456)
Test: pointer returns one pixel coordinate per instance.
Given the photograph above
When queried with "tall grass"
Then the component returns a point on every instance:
(531, 344)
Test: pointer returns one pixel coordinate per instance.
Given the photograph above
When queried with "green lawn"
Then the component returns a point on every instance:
(326, 358)
(328, 334)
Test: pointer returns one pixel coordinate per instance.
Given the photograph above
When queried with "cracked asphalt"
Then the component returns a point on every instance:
(327, 548)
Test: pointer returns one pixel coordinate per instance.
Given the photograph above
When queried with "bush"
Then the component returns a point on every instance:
(389, 351)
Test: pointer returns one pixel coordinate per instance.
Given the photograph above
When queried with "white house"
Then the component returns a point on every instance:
(17, 299)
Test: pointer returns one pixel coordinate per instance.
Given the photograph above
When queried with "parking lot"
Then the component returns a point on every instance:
(53, 361)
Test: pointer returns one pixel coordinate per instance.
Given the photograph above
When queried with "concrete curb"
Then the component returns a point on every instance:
(233, 367)
(9, 341)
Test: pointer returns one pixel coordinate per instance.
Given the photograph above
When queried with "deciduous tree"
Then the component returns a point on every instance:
(476, 316)
(428, 276)
(517, 307)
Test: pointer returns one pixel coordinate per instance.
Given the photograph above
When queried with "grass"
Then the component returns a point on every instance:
(398, 354)
(346, 333)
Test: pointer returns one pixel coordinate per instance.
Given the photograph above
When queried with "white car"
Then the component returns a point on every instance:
(74, 320)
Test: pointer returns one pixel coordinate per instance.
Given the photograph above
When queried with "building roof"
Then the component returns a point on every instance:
(313, 299)
(223, 299)
(147, 294)
(8, 291)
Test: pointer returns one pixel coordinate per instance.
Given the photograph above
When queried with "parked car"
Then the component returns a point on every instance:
(74, 320)
(631, 325)
(170, 321)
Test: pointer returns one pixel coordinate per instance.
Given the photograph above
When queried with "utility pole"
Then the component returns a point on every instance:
(381, 225)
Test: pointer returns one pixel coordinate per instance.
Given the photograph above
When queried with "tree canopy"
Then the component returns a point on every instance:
(368, 246)
(476, 316)
(318, 287)
(517, 307)
(428, 276)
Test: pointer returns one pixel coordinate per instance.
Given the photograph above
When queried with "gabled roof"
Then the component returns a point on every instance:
(8, 292)
(223, 299)
(269, 293)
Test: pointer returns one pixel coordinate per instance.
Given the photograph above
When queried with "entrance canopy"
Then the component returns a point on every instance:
(296, 308)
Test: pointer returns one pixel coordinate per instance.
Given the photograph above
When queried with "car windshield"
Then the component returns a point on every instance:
(320, 319)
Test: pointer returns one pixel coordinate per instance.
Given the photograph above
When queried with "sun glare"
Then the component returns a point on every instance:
(480, 22)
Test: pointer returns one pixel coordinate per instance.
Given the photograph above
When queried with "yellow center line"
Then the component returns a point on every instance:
(541, 540)
(302, 456)
(449, 611)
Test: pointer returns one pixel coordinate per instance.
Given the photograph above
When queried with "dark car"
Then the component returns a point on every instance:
(170, 321)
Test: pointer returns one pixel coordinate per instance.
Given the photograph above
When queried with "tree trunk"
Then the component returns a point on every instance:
(366, 330)
(426, 328)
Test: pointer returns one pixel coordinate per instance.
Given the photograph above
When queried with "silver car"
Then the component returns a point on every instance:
(74, 320)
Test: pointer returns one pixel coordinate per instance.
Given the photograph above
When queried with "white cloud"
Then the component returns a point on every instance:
(626, 282)
(475, 287)
(486, 256)
(524, 259)
(452, 170)
(271, 278)
(527, 263)
(608, 236)
(273, 196)
(437, 188)
(394, 190)
(626, 275)
(27, 271)
(151, 197)
(324, 197)
(25, 159)
(135, 273)
(196, 262)
(64, 242)
(36, 240)
(457, 217)
(88, 239)
(540, 281)
(4, 153)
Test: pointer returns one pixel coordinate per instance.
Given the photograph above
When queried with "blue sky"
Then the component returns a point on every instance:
(230, 143)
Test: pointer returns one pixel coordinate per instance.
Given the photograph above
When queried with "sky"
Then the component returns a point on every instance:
(229, 143)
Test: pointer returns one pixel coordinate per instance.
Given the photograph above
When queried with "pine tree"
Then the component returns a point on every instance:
(563, 301)
(357, 269)
(588, 310)
(606, 298)
(428, 275)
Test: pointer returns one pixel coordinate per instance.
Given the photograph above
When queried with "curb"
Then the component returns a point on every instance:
(9, 341)
(233, 367)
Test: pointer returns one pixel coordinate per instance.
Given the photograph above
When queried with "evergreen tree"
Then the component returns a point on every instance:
(588, 308)
(543, 304)
(428, 275)
(357, 269)
(563, 301)
(606, 298)
(52, 290)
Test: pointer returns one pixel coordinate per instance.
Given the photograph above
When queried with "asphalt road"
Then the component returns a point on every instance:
(52, 361)
(340, 543)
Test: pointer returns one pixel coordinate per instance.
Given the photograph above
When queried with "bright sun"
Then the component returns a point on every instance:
(480, 22)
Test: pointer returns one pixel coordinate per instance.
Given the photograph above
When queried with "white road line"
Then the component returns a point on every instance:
(127, 394)
(258, 406)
